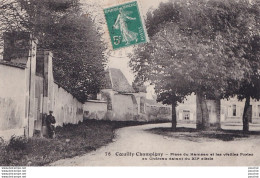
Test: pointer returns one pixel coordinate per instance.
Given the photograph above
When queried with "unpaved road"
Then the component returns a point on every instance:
(134, 141)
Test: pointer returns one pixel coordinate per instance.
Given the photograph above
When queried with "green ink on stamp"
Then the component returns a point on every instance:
(125, 25)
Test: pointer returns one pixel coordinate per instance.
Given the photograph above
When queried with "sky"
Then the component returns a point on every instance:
(118, 58)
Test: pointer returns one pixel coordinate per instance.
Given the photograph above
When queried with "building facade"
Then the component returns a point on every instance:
(118, 101)
(231, 110)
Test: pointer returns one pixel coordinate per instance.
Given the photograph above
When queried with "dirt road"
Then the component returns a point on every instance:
(133, 146)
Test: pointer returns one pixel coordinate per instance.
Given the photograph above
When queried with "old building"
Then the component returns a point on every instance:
(231, 110)
(186, 111)
(119, 101)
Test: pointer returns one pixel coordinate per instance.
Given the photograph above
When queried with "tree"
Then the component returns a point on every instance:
(193, 47)
(244, 42)
(61, 26)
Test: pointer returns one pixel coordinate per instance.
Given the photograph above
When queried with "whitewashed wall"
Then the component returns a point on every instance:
(66, 108)
(95, 110)
(12, 101)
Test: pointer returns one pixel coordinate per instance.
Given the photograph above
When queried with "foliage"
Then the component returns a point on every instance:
(139, 87)
(61, 27)
(71, 140)
(17, 143)
(199, 46)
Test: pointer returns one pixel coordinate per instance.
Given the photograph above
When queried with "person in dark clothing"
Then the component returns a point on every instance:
(50, 121)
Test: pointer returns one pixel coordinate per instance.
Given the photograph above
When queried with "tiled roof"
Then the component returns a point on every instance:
(116, 80)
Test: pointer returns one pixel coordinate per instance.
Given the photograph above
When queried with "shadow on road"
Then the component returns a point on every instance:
(191, 134)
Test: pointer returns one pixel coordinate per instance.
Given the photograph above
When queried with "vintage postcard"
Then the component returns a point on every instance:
(129, 83)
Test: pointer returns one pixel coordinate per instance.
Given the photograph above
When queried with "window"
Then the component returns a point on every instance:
(186, 115)
(234, 110)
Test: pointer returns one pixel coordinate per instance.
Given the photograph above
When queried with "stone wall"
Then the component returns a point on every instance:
(120, 107)
(28, 91)
(66, 108)
(158, 113)
(14, 103)
(13, 115)
(94, 109)
(123, 107)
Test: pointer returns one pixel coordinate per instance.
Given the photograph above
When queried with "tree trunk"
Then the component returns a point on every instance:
(245, 118)
(218, 108)
(199, 124)
(205, 114)
(202, 120)
(174, 118)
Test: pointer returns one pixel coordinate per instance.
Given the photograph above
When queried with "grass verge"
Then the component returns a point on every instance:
(71, 140)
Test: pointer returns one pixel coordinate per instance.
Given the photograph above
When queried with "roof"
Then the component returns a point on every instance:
(116, 80)
(12, 64)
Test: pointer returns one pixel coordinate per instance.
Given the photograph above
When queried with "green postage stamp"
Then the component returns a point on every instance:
(125, 25)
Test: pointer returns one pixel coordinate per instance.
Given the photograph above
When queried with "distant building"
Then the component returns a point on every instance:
(118, 101)
(231, 110)
(186, 111)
